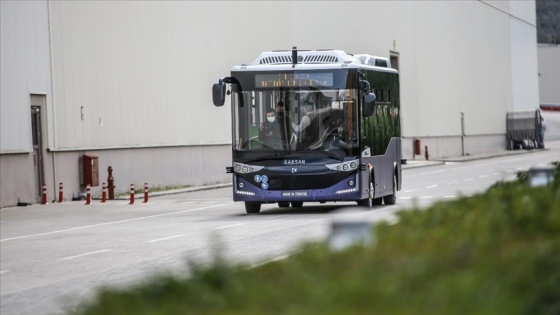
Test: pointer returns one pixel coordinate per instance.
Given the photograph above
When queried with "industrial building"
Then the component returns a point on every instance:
(127, 84)
(549, 75)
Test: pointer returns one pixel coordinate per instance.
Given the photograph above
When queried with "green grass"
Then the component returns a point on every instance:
(494, 253)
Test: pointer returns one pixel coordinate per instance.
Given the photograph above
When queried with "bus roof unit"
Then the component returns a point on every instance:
(316, 59)
(374, 61)
(305, 56)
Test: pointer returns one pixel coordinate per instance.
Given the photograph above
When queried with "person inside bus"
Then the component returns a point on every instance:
(305, 120)
(269, 131)
(273, 132)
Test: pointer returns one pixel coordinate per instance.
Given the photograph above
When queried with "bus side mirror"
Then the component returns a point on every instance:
(369, 105)
(219, 93)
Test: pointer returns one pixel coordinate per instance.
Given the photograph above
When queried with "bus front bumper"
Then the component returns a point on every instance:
(347, 189)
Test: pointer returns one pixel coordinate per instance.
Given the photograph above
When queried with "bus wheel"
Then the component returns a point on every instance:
(252, 207)
(391, 199)
(368, 202)
(297, 204)
(283, 204)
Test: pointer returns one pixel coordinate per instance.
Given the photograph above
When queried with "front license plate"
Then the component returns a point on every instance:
(294, 194)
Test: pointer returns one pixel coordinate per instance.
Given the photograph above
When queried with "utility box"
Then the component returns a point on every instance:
(90, 170)
(417, 147)
(524, 130)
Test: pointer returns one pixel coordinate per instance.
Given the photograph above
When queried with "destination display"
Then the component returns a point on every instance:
(298, 79)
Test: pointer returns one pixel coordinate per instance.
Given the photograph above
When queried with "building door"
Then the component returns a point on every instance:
(37, 134)
(394, 60)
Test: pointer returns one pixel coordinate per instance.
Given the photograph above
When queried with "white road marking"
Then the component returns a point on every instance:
(449, 196)
(86, 254)
(452, 182)
(4, 271)
(276, 216)
(282, 257)
(482, 176)
(112, 222)
(409, 191)
(227, 226)
(468, 179)
(405, 197)
(426, 197)
(431, 186)
(164, 238)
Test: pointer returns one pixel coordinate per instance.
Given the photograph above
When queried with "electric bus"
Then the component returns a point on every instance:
(335, 122)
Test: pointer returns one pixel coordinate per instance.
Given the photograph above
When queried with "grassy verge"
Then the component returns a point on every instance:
(494, 253)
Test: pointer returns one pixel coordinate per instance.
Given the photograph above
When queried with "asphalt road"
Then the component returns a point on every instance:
(55, 256)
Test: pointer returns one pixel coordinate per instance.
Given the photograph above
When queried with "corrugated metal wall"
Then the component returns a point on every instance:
(134, 74)
(138, 73)
(25, 70)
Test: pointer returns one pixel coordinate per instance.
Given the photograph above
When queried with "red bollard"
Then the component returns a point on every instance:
(44, 195)
(146, 192)
(60, 193)
(104, 193)
(131, 194)
(88, 195)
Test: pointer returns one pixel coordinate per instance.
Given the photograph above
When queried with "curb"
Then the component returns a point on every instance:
(178, 191)
(419, 164)
(490, 156)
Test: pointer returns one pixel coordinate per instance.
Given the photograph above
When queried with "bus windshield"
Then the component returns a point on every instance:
(296, 112)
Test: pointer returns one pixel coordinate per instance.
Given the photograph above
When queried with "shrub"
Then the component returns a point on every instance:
(494, 253)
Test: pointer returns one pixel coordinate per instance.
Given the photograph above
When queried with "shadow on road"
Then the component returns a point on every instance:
(311, 209)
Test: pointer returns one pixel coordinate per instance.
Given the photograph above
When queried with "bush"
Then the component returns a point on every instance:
(493, 253)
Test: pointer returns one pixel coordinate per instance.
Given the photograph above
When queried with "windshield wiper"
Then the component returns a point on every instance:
(284, 155)
(276, 156)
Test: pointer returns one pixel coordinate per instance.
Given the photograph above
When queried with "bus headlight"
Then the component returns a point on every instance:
(344, 166)
(239, 190)
(346, 191)
(246, 169)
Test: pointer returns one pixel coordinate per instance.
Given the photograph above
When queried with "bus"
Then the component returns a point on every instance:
(336, 117)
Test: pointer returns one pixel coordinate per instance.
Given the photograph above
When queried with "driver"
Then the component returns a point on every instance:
(305, 120)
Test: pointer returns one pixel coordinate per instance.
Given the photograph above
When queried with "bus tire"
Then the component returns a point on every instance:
(252, 207)
(391, 199)
(283, 204)
(368, 202)
(297, 204)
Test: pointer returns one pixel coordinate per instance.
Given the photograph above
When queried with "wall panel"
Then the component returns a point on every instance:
(24, 61)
